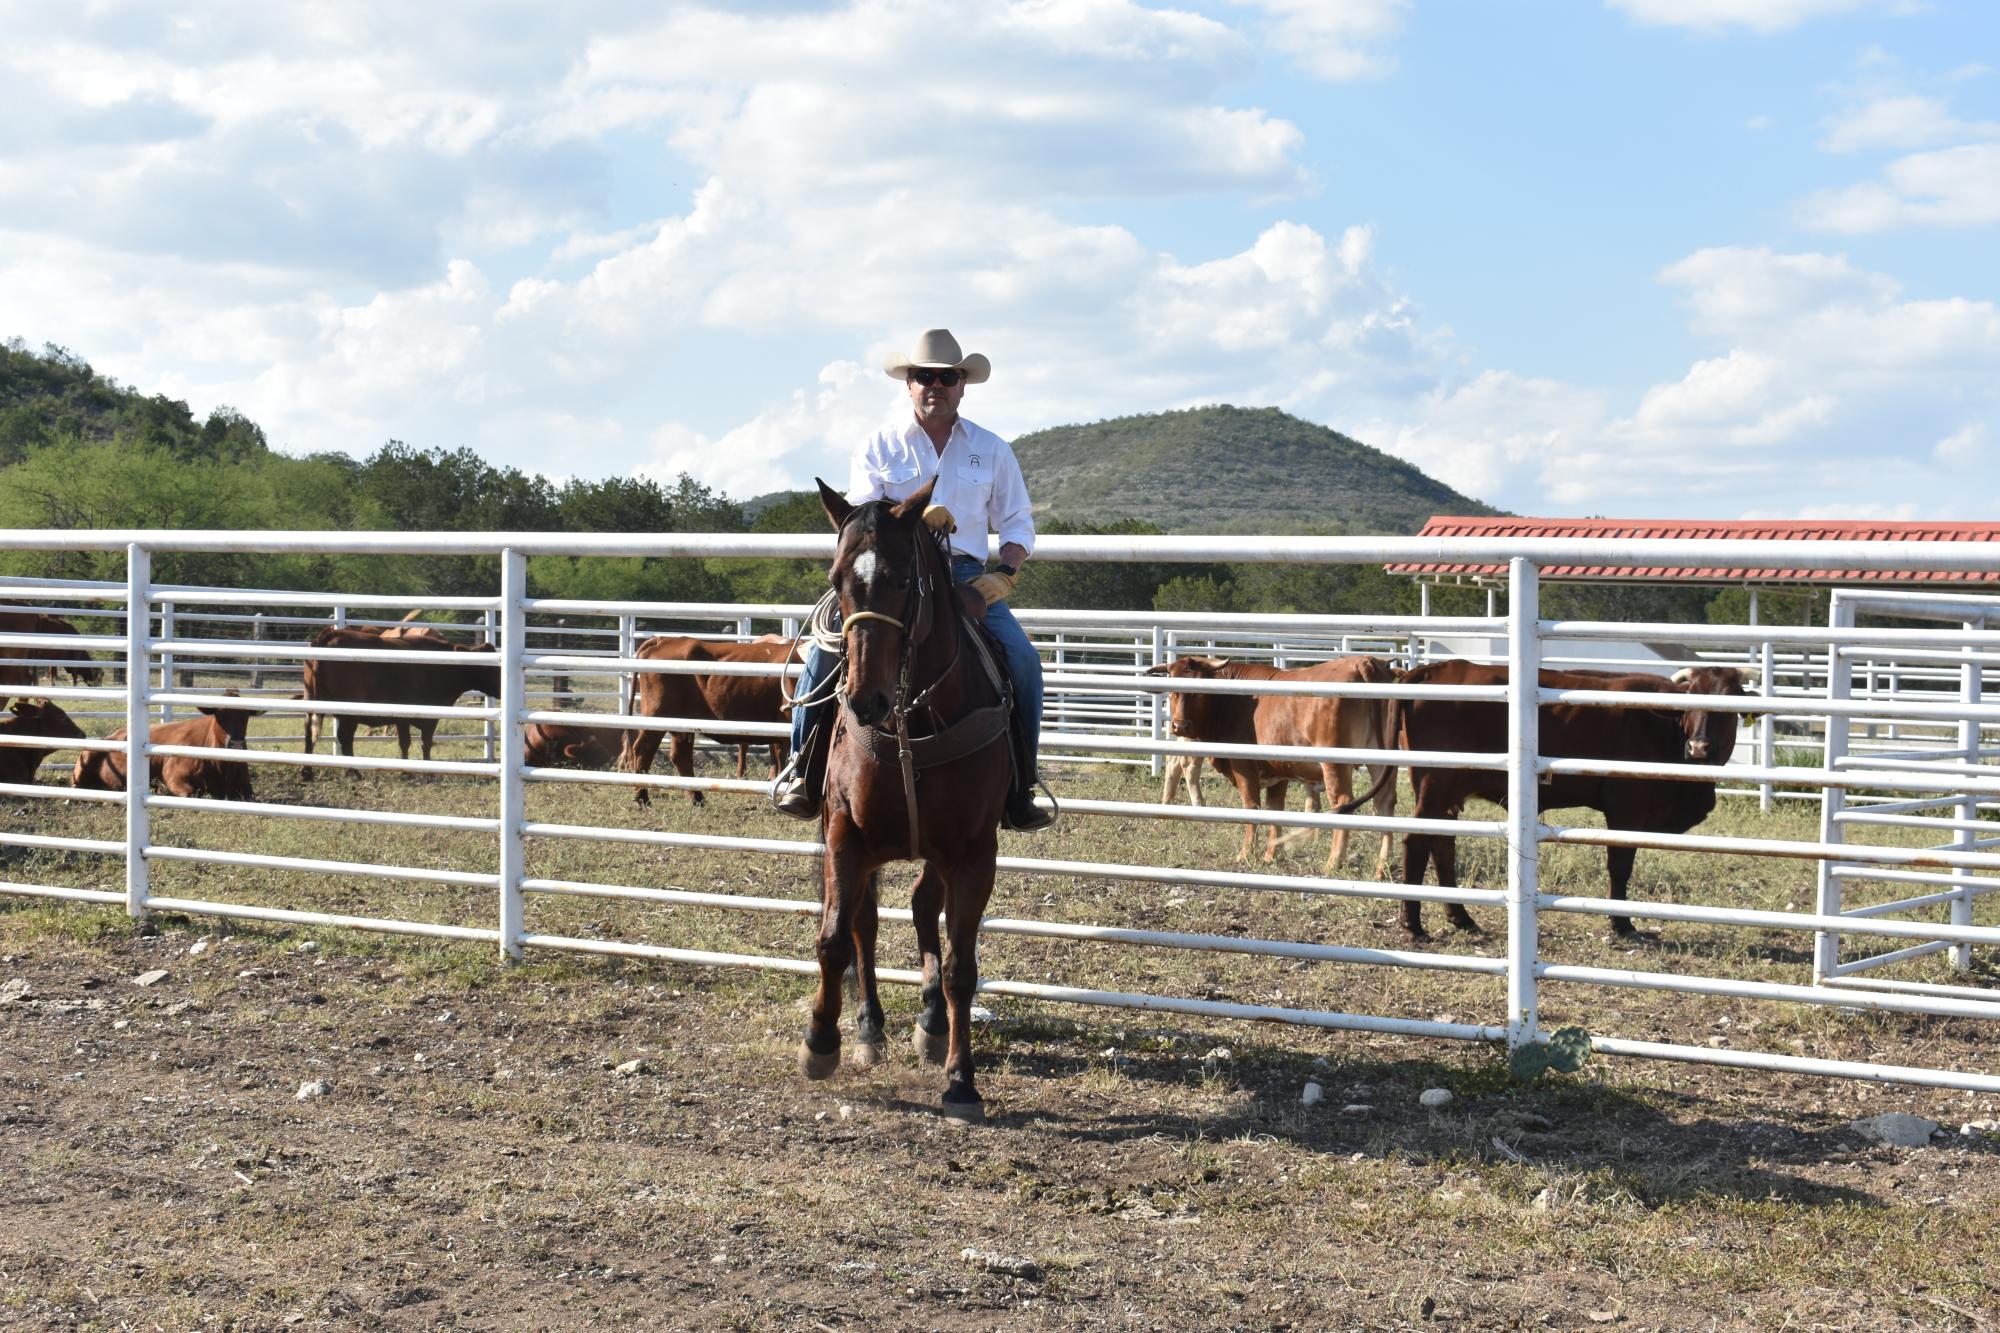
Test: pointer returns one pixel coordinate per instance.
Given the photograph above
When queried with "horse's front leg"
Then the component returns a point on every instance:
(931, 1034)
(870, 1048)
(971, 885)
(845, 882)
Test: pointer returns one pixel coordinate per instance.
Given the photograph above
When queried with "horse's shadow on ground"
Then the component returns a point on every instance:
(1663, 1147)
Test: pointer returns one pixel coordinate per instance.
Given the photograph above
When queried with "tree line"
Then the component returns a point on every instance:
(78, 450)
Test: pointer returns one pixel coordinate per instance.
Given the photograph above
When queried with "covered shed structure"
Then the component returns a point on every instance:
(1494, 577)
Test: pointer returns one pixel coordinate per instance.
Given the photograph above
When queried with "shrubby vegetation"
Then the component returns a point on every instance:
(79, 450)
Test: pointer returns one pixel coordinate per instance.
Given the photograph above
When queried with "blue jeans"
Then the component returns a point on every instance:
(1024, 668)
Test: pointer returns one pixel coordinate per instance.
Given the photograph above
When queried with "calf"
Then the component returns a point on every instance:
(32, 717)
(1568, 731)
(181, 775)
(721, 698)
(1299, 720)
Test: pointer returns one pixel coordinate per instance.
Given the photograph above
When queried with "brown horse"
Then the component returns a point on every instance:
(13, 672)
(914, 686)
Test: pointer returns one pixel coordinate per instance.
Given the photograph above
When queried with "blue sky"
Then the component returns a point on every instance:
(1704, 258)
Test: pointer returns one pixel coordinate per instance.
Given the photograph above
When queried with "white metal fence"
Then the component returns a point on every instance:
(1106, 709)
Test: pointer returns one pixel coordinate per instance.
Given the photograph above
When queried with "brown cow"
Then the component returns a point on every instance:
(723, 698)
(1271, 719)
(32, 717)
(178, 774)
(1568, 731)
(553, 745)
(420, 683)
(74, 660)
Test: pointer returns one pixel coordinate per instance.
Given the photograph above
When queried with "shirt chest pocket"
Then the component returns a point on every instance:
(900, 471)
(973, 487)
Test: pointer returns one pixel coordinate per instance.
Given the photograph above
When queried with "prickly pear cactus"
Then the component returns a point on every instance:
(1568, 1049)
(1564, 1051)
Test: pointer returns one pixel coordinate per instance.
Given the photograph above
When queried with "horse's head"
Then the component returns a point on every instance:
(880, 569)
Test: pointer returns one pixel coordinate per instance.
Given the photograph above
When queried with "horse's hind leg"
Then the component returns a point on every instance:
(971, 885)
(931, 1035)
(844, 883)
(870, 1048)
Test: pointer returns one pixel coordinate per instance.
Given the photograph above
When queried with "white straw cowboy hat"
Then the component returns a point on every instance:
(936, 349)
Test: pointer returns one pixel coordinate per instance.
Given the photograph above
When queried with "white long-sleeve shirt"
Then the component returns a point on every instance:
(978, 479)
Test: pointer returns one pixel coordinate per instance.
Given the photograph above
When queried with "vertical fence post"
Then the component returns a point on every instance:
(166, 659)
(1156, 702)
(513, 698)
(1832, 800)
(257, 663)
(1967, 838)
(1766, 750)
(1419, 650)
(626, 629)
(138, 726)
(1524, 822)
(489, 621)
(744, 628)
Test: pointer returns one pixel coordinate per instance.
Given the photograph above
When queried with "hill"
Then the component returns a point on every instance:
(1228, 469)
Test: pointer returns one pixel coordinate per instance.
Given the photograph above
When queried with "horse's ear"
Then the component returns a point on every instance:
(917, 503)
(836, 505)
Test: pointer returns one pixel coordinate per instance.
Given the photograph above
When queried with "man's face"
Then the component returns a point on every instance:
(936, 401)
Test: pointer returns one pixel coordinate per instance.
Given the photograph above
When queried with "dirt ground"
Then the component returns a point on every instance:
(478, 1160)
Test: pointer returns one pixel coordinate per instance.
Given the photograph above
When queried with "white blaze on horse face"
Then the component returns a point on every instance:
(866, 570)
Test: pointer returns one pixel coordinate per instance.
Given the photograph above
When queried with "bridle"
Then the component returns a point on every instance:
(919, 611)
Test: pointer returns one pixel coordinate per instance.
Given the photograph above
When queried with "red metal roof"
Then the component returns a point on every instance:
(1699, 529)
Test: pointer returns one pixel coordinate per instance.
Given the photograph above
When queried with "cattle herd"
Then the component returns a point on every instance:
(1690, 734)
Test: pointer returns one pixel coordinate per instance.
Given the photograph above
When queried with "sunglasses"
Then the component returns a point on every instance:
(948, 378)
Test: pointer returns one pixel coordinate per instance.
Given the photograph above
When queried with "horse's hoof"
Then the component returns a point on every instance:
(969, 1112)
(870, 1053)
(931, 1047)
(816, 1066)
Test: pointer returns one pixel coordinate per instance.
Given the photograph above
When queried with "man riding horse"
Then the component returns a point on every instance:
(976, 487)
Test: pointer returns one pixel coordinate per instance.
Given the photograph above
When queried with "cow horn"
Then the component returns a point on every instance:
(1751, 680)
(1683, 676)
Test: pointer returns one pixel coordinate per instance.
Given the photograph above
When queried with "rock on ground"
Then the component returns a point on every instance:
(1896, 1129)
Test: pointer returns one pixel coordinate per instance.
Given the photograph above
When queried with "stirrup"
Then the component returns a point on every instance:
(794, 799)
(1029, 817)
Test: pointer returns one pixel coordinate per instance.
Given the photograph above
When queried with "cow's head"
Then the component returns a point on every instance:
(481, 676)
(1709, 736)
(1184, 711)
(39, 717)
(576, 747)
(235, 722)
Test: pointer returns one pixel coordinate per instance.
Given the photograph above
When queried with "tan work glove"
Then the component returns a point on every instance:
(938, 518)
(994, 586)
